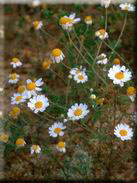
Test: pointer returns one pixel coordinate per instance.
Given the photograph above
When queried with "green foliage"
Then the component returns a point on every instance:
(102, 21)
(21, 22)
(62, 13)
(46, 150)
(101, 136)
(79, 7)
(71, 55)
(47, 13)
(96, 115)
(9, 148)
(57, 100)
(79, 166)
(80, 29)
(8, 9)
(113, 43)
(123, 99)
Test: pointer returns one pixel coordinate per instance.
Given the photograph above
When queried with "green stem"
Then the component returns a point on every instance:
(121, 33)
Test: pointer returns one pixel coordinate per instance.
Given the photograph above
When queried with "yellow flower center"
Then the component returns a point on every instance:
(61, 144)
(88, 18)
(127, 8)
(13, 76)
(78, 112)
(18, 98)
(123, 132)
(16, 110)
(119, 75)
(80, 77)
(20, 142)
(21, 89)
(57, 130)
(131, 90)
(102, 31)
(31, 86)
(36, 24)
(35, 147)
(38, 104)
(65, 20)
(56, 52)
(15, 60)
(117, 61)
(46, 64)
(4, 138)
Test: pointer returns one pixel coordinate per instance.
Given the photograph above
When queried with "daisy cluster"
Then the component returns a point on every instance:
(29, 92)
(76, 112)
(78, 74)
(26, 93)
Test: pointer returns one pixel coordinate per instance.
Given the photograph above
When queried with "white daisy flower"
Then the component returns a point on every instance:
(56, 129)
(119, 74)
(38, 103)
(67, 22)
(77, 111)
(61, 146)
(13, 78)
(57, 55)
(105, 3)
(1, 89)
(131, 93)
(35, 149)
(16, 62)
(33, 86)
(102, 59)
(17, 98)
(127, 7)
(88, 20)
(75, 71)
(102, 34)
(37, 24)
(123, 132)
(36, 3)
(81, 77)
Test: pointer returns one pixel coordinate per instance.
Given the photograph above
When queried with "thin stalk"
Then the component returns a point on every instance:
(67, 91)
(66, 66)
(87, 61)
(100, 46)
(115, 103)
(117, 54)
(77, 49)
(83, 46)
(87, 27)
(52, 37)
(121, 33)
(56, 74)
(57, 105)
